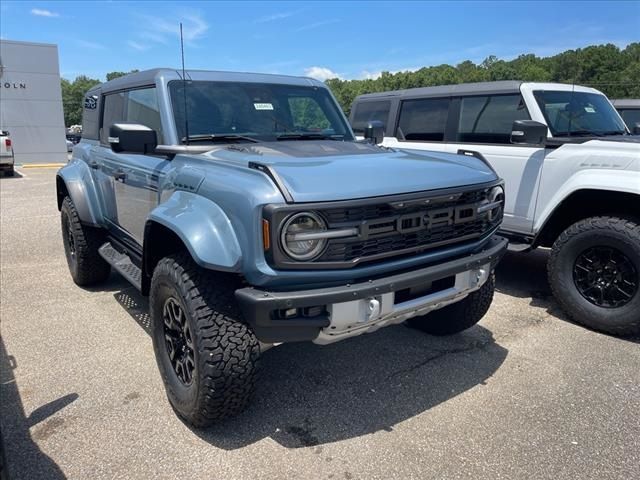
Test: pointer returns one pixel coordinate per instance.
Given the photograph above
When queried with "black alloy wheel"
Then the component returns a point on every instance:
(178, 340)
(605, 276)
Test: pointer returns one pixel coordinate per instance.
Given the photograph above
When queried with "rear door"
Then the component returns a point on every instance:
(421, 124)
(131, 187)
(483, 124)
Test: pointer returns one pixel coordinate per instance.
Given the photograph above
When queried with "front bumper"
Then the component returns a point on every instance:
(340, 306)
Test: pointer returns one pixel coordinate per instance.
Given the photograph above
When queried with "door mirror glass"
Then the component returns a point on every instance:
(132, 138)
(374, 131)
(528, 132)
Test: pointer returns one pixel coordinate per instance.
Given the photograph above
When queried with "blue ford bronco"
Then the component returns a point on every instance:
(246, 210)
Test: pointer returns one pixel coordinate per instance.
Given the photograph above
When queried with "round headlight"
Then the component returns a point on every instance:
(297, 236)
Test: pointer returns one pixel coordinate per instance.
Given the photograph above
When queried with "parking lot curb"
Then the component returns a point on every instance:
(42, 165)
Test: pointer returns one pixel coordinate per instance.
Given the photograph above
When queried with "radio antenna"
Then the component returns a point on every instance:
(184, 90)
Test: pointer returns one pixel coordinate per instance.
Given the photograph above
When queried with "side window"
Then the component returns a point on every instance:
(112, 112)
(423, 120)
(367, 111)
(630, 117)
(307, 115)
(142, 107)
(90, 117)
(488, 119)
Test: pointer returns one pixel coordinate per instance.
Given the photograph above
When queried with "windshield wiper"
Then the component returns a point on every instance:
(218, 138)
(309, 136)
(614, 132)
(579, 133)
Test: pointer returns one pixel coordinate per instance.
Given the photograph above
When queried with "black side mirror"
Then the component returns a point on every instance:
(528, 132)
(132, 138)
(636, 129)
(374, 131)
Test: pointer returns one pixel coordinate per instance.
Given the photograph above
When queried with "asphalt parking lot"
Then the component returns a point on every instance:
(525, 394)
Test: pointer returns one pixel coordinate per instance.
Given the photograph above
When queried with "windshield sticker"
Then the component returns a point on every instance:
(263, 106)
(589, 110)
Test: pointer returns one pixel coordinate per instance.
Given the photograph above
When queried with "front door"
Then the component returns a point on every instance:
(129, 186)
(484, 125)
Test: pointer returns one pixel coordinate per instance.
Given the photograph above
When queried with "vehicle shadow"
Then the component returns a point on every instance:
(16, 175)
(309, 395)
(524, 275)
(21, 456)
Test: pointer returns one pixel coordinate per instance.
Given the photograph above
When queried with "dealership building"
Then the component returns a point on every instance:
(31, 101)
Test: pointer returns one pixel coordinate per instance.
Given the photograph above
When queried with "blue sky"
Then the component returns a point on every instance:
(321, 39)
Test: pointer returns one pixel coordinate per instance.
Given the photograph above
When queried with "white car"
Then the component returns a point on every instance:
(571, 170)
(629, 110)
(7, 160)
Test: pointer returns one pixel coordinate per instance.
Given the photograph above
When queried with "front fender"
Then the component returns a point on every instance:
(625, 181)
(78, 181)
(204, 229)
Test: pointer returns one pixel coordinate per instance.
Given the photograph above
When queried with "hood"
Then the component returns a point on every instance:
(316, 171)
(559, 141)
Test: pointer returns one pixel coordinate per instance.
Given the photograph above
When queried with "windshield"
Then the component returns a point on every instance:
(232, 111)
(579, 113)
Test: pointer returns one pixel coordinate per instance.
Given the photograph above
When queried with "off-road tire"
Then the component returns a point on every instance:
(622, 234)
(86, 265)
(226, 351)
(459, 316)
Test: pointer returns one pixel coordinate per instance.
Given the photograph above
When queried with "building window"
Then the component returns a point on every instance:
(423, 120)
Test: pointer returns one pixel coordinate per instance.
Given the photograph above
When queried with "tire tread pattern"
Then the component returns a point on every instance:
(91, 268)
(626, 227)
(228, 351)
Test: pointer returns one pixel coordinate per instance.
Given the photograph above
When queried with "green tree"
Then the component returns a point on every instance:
(73, 97)
(112, 75)
(614, 71)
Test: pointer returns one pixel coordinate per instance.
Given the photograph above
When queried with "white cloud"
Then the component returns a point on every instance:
(91, 45)
(137, 46)
(366, 75)
(41, 12)
(158, 29)
(311, 26)
(320, 73)
(273, 17)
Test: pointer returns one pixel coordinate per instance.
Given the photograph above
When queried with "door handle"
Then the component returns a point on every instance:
(93, 164)
(119, 175)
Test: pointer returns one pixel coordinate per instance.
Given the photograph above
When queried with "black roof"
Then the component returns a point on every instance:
(626, 102)
(480, 88)
(149, 77)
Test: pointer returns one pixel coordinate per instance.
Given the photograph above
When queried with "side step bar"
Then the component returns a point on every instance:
(122, 263)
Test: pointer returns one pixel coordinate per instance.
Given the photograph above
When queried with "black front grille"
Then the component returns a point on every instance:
(337, 216)
(393, 228)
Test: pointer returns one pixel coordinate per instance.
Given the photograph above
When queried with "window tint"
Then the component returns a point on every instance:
(142, 108)
(578, 113)
(489, 119)
(367, 111)
(259, 110)
(423, 119)
(90, 118)
(630, 117)
(307, 115)
(113, 112)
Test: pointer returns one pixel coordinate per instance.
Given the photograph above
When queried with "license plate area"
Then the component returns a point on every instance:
(418, 291)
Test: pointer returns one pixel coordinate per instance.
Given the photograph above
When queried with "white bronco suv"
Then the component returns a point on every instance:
(572, 174)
